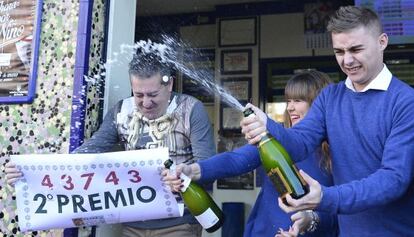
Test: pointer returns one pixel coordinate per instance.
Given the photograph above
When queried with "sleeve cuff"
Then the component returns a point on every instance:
(330, 200)
(206, 172)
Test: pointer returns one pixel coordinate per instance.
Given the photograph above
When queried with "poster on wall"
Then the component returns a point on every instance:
(19, 43)
(316, 17)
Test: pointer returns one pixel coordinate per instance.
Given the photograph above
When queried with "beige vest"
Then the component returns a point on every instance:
(172, 130)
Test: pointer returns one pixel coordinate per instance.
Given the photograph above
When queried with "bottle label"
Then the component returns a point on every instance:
(186, 182)
(279, 181)
(207, 219)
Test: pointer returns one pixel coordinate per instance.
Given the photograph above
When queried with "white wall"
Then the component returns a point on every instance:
(283, 36)
(201, 36)
(121, 31)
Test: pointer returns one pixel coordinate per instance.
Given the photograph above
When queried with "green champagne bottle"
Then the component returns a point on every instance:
(279, 166)
(199, 202)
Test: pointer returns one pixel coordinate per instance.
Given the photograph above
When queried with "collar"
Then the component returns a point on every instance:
(381, 82)
(172, 105)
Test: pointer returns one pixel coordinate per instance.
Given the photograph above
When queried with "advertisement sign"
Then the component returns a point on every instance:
(19, 36)
(71, 190)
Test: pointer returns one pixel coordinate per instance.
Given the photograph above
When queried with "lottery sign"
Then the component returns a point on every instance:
(70, 190)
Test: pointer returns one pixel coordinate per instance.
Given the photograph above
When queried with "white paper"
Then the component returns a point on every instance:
(5, 59)
(69, 190)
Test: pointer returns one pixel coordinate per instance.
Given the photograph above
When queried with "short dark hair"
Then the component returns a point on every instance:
(350, 17)
(147, 64)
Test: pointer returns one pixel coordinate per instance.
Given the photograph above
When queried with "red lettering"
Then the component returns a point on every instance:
(46, 181)
(112, 178)
(88, 180)
(135, 174)
(69, 185)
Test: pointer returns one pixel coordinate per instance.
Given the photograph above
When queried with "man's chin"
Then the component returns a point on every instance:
(150, 116)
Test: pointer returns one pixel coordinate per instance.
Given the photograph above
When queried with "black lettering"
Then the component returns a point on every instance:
(131, 196)
(77, 203)
(62, 201)
(42, 204)
(151, 198)
(93, 202)
(119, 195)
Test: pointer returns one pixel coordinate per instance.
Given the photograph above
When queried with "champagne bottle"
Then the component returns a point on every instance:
(279, 166)
(199, 202)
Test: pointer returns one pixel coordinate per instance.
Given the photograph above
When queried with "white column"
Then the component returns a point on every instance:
(121, 30)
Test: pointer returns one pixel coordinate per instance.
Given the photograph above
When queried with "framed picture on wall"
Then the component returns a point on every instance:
(230, 118)
(19, 50)
(236, 61)
(237, 31)
(238, 87)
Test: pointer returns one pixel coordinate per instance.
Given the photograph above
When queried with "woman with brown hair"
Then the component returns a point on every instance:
(300, 92)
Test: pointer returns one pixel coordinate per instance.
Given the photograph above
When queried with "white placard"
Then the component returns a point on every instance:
(70, 190)
(5, 59)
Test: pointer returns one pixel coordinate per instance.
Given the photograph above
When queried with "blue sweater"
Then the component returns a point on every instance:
(371, 137)
(266, 217)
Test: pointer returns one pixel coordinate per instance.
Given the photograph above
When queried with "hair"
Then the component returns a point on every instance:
(306, 86)
(149, 64)
(351, 17)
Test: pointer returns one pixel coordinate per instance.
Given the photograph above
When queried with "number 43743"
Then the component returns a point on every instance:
(69, 184)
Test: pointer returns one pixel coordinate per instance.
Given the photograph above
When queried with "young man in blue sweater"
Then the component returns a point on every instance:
(367, 120)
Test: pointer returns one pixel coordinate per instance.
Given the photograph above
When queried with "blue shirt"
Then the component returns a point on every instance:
(371, 137)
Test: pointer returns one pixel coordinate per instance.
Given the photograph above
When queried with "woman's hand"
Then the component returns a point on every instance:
(302, 220)
(289, 233)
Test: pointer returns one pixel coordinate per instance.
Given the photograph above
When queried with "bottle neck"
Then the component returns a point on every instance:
(265, 137)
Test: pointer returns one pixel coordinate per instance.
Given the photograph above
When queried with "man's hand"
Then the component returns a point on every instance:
(12, 173)
(308, 202)
(254, 126)
(173, 179)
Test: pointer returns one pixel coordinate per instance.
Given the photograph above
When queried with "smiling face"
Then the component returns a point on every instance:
(151, 97)
(359, 53)
(300, 92)
(297, 110)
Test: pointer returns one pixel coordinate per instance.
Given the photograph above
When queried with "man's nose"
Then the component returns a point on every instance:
(146, 101)
(348, 58)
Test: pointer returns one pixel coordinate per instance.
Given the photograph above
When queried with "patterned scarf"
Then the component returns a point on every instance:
(158, 127)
